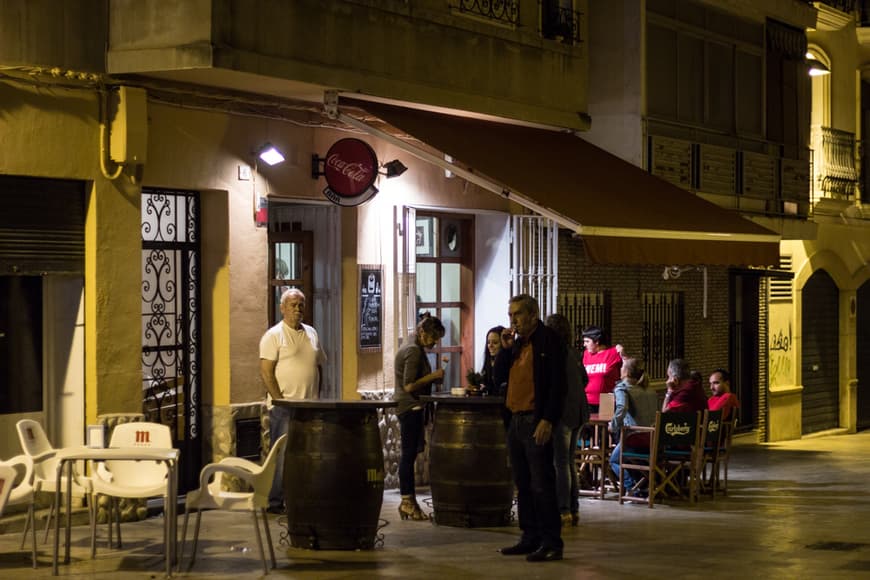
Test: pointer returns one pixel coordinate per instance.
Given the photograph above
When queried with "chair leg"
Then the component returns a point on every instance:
(260, 541)
(32, 519)
(28, 521)
(183, 535)
(118, 521)
(195, 536)
(48, 522)
(269, 538)
(92, 507)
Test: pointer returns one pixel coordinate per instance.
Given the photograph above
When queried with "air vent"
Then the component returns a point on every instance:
(781, 288)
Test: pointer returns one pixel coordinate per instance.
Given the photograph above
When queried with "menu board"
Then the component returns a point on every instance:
(370, 308)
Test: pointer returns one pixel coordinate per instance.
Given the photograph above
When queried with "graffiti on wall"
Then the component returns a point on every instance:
(779, 351)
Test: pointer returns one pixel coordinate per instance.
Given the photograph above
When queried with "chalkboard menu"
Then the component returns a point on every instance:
(370, 308)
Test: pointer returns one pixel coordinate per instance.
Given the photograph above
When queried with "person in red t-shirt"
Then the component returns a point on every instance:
(722, 397)
(602, 364)
(684, 395)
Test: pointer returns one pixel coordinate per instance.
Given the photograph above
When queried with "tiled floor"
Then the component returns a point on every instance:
(795, 510)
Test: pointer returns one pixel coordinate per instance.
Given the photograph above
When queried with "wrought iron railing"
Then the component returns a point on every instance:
(583, 309)
(847, 6)
(838, 175)
(507, 11)
(663, 331)
(560, 22)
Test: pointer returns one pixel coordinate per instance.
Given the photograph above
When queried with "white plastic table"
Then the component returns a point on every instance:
(67, 458)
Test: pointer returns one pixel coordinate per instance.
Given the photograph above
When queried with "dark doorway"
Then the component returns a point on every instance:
(862, 327)
(820, 358)
(20, 344)
(743, 356)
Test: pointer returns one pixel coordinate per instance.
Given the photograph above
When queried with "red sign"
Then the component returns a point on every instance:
(350, 168)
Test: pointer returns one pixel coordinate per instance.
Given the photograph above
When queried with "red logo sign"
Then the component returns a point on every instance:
(143, 437)
(350, 168)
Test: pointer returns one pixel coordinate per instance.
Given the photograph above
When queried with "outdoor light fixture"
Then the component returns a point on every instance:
(817, 67)
(270, 155)
(394, 168)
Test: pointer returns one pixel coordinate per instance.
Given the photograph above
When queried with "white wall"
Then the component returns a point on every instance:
(492, 276)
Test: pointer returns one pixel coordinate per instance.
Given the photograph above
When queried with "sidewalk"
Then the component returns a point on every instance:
(795, 510)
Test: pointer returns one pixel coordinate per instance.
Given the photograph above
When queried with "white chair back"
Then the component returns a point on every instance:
(7, 480)
(264, 483)
(32, 437)
(143, 435)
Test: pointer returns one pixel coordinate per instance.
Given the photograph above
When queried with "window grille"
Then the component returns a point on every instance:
(534, 260)
(663, 330)
(781, 289)
(583, 309)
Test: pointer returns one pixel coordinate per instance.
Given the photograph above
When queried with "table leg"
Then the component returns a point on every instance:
(58, 478)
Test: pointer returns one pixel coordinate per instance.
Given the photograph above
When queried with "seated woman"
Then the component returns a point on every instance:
(635, 405)
(492, 348)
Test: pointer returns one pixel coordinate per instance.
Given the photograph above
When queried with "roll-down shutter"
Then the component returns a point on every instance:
(42, 226)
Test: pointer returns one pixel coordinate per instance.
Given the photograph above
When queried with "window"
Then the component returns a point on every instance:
(663, 328)
(290, 267)
(444, 282)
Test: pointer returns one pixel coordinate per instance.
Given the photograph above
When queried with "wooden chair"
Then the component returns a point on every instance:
(670, 464)
(678, 455)
(711, 437)
(717, 459)
(640, 459)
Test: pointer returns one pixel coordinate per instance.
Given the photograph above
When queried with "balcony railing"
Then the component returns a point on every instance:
(846, 6)
(559, 21)
(837, 174)
(506, 11)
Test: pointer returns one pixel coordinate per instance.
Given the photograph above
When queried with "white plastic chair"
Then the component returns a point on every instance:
(35, 444)
(19, 469)
(211, 496)
(131, 479)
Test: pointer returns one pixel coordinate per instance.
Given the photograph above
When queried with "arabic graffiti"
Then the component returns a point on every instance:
(779, 348)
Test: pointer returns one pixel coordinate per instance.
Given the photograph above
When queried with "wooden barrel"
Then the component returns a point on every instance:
(333, 477)
(469, 466)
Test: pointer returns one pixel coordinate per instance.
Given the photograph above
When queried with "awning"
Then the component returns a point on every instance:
(624, 214)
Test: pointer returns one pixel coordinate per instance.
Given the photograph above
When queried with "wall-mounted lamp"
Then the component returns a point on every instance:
(270, 155)
(817, 67)
(394, 168)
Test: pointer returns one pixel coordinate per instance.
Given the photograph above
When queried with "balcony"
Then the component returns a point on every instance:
(751, 177)
(835, 171)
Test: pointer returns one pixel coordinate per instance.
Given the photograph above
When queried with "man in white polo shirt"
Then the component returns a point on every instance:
(290, 364)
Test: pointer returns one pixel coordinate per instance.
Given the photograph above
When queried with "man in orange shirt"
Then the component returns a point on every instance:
(722, 397)
(532, 363)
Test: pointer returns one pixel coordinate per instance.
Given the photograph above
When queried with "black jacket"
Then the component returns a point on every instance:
(548, 371)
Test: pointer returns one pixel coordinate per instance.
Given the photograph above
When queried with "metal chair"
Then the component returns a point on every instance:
(16, 488)
(211, 496)
(35, 444)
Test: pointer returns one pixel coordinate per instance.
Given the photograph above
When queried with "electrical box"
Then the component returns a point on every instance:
(128, 134)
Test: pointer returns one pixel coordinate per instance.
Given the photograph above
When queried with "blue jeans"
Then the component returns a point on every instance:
(535, 478)
(629, 475)
(279, 424)
(564, 449)
(411, 430)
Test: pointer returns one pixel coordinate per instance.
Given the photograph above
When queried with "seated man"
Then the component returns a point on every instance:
(684, 395)
(722, 397)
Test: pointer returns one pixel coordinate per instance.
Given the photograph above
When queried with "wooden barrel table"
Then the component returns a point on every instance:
(333, 474)
(469, 466)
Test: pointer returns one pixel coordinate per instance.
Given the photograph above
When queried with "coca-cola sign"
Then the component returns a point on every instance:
(350, 168)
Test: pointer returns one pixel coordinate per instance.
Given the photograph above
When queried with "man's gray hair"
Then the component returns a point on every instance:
(679, 368)
(292, 292)
(527, 304)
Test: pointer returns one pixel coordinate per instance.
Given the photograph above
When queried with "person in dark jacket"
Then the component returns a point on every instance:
(575, 414)
(532, 363)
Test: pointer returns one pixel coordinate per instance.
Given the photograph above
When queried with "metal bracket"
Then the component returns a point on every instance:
(330, 103)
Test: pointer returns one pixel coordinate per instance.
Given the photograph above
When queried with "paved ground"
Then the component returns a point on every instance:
(795, 510)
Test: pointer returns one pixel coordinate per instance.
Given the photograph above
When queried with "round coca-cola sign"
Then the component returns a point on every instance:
(350, 168)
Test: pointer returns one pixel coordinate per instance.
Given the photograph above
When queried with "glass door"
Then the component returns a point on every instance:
(445, 288)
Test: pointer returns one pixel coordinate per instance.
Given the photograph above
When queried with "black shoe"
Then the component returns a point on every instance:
(519, 549)
(276, 509)
(543, 554)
